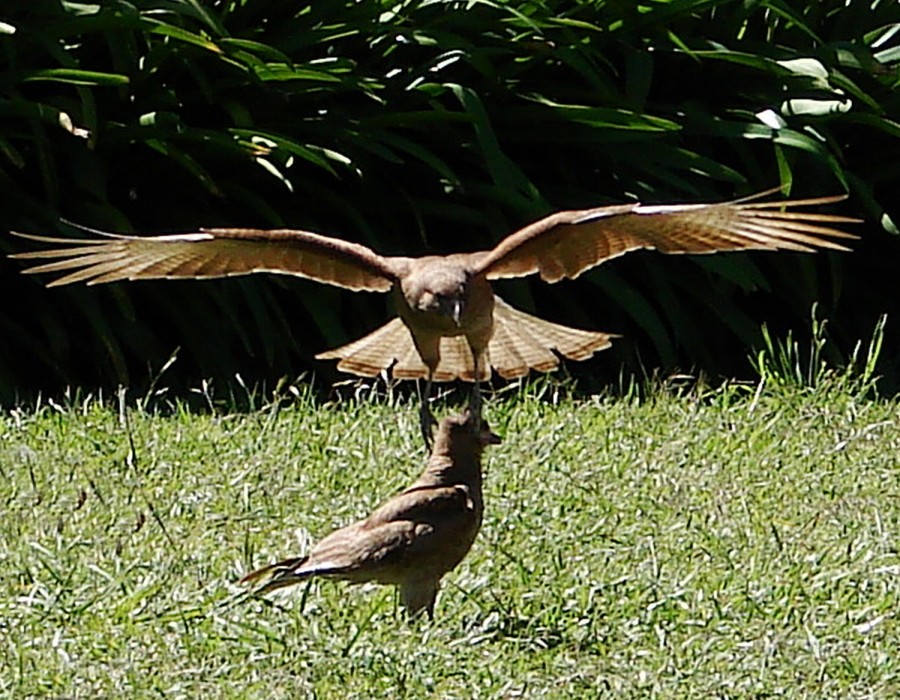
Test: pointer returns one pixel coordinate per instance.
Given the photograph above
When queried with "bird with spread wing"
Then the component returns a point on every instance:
(450, 324)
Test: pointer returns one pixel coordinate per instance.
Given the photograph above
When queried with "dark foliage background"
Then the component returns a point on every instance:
(420, 127)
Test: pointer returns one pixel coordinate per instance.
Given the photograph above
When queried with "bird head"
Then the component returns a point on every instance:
(450, 306)
(466, 432)
(439, 289)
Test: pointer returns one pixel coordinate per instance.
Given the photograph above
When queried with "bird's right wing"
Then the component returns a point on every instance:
(216, 252)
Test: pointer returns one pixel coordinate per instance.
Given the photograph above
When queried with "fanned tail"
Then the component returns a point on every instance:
(520, 343)
(392, 347)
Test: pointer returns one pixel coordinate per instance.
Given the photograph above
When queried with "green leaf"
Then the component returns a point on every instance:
(170, 31)
(503, 171)
(74, 76)
(604, 118)
(281, 72)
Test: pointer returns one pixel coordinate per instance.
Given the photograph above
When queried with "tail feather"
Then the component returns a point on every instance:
(520, 343)
(514, 352)
(277, 575)
(457, 361)
(392, 347)
(392, 344)
(409, 364)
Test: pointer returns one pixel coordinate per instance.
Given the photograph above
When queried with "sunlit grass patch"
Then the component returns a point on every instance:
(726, 542)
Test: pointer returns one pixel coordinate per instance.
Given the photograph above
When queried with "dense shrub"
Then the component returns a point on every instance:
(434, 126)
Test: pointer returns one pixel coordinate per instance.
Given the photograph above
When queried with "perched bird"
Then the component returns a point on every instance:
(451, 325)
(413, 539)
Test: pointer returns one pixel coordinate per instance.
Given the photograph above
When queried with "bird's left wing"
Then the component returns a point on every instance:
(565, 244)
(214, 253)
(422, 503)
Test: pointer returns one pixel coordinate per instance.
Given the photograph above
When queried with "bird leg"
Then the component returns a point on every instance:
(475, 398)
(475, 401)
(418, 596)
(426, 417)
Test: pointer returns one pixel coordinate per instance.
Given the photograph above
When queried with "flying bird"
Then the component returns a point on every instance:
(450, 323)
(414, 538)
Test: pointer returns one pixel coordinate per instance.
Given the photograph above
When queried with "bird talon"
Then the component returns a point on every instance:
(475, 400)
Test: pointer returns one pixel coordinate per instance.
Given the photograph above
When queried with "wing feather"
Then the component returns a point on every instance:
(215, 253)
(567, 243)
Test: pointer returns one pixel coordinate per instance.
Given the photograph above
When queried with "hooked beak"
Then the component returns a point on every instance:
(485, 436)
(489, 438)
(456, 311)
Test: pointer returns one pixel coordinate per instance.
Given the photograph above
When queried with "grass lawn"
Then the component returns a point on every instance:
(734, 542)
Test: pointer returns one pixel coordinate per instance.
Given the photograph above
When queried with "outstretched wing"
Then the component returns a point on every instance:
(567, 243)
(217, 252)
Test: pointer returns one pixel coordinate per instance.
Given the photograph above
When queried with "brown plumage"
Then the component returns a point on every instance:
(414, 538)
(520, 342)
(453, 325)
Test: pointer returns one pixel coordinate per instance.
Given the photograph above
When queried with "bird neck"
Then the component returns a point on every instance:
(453, 469)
